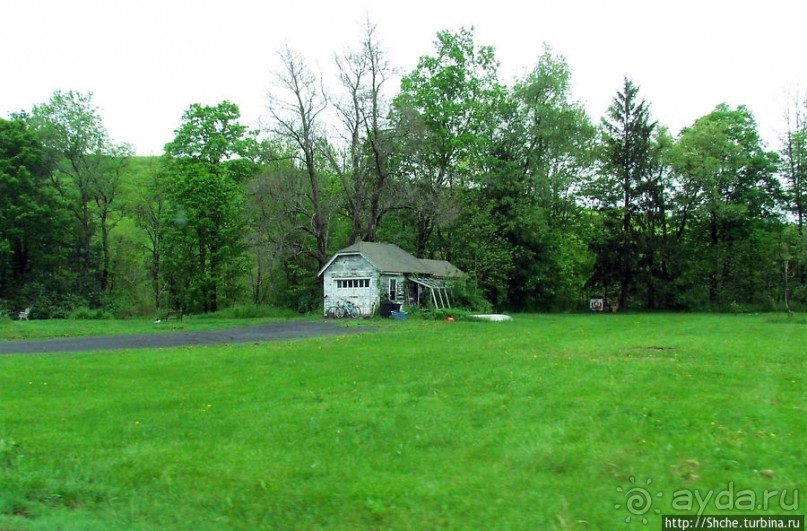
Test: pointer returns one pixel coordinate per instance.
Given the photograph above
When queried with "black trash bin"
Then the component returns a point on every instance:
(387, 307)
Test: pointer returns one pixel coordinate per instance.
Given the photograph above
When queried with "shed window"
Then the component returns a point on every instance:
(393, 289)
(349, 283)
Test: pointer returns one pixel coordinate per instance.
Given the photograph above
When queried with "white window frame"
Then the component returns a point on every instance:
(352, 283)
(392, 291)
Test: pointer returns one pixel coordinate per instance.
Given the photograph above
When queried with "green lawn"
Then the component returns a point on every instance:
(539, 423)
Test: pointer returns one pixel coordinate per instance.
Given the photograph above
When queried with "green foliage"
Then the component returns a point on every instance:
(85, 169)
(728, 201)
(447, 107)
(213, 136)
(482, 252)
(453, 92)
(84, 314)
(627, 191)
(203, 244)
(32, 218)
(457, 314)
(203, 248)
(466, 294)
(521, 224)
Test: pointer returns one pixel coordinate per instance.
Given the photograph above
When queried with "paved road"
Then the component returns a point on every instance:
(246, 334)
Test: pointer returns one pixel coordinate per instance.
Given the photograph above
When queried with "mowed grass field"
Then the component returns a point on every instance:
(545, 422)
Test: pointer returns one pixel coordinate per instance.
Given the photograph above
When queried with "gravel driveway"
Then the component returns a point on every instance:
(246, 334)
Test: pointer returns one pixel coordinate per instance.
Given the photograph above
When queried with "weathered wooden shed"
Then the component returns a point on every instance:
(366, 273)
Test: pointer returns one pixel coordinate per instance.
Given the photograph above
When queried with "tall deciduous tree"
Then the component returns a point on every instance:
(555, 142)
(31, 219)
(85, 169)
(447, 106)
(557, 137)
(730, 197)
(204, 245)
(213, 136)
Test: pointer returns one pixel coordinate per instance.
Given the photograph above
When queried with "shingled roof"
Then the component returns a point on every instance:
(441, 268)
(389, 258)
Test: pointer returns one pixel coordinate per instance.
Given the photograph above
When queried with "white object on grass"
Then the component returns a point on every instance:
(493, 317)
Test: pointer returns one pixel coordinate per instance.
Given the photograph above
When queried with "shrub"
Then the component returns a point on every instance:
(83, 313)
(467, 295)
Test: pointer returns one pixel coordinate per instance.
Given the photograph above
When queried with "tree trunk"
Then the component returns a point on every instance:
(155, 277)
(105, 252)
(713, 241)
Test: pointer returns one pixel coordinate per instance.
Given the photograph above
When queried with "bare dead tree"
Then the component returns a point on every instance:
(295, 111)
(794, 152)
(793, 170)
(365, 165)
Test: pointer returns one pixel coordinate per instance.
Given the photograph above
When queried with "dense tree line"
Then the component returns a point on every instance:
(516, 185)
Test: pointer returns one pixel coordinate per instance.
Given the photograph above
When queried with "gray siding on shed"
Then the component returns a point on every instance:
(400, 294)
(350, 267)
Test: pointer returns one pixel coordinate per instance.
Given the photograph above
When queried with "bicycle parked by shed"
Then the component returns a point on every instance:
(342, 310)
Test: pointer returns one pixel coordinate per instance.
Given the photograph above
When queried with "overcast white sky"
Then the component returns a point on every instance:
(146, 61)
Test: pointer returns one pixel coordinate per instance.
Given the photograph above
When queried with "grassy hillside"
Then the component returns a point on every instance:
(539, 423)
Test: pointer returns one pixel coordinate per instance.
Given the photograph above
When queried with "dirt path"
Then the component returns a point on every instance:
(246, 334)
